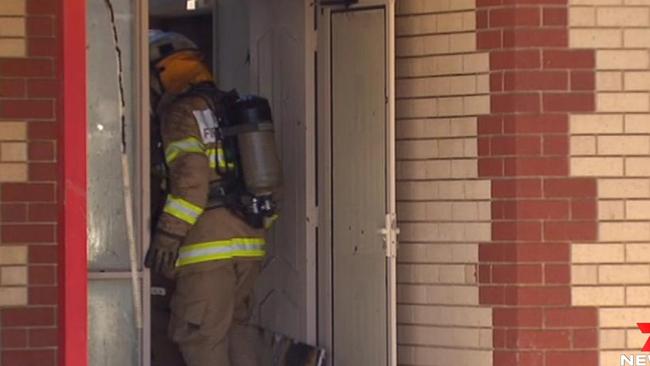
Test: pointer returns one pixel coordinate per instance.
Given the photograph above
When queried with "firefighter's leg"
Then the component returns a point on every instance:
(243, 338)
(202, 311)
(164, 352)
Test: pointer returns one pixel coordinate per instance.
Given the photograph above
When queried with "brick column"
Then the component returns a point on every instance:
(29, 49)
(537, 210)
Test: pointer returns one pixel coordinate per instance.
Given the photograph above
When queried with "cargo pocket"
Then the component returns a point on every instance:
(187, 320)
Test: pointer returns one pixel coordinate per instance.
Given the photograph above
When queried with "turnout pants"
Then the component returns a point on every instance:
(211, 308)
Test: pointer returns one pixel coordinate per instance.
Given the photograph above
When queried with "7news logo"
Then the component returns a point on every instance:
(639, 359)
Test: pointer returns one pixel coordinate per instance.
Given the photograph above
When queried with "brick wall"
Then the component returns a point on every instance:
(612, 145)
(28, 174)
(443, 206)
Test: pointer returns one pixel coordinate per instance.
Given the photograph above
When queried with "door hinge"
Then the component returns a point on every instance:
(390, 231)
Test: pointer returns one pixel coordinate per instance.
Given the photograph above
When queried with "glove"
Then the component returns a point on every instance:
(163, 252)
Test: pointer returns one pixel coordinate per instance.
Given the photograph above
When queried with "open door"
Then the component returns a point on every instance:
(357, 228)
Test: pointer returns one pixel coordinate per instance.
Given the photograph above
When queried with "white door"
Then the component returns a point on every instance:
(357, 241)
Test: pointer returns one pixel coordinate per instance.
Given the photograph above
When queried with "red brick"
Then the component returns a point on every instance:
(570, 317)
(516, 273)
(32, 233)
(43, 254)
(535, 80)
(538, 339)
(499, 338)
(570, 187)
(546, 123)
(513, 358)
(42, 47)
(532, 166)
(481, 19)
(488, 125)
(536, 2)
(585, 338)
(508, 188)
(556, 145)
(487, 3)
(42, 7)
(14, 338)
(571, 230)
(42, 131)
(12, 88)
(30, 357)
(517, 317)
(557, 274)
(483, 146)
(535, 37)
(582, 358)
(515, 59)
(514, 230)
(43, 295)
(569, 102)
(520, 102)
(491, 295)
(524, 252)
(42, 88)
(43, 337)
(42, 275)
(509, 17)
(490, 167)
(515, 145)
(583, 80)
(43, 172)
(500, 209)
(40, 26)
(13, 212)
(541, 209)
(28, 192)
(555, 16)
(26, 109)
(28, 317)
(484, 273)
(538, 295)
(496, 82)
(568, 59)
(26, 68)
(41, 151)
(488, 39)
(584, 209)
(43, 212)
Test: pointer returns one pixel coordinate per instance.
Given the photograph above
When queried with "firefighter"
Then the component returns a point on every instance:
(209, 248)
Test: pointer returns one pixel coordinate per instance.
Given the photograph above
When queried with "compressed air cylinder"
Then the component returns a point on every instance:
(257, 148)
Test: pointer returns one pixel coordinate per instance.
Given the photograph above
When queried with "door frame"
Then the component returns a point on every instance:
(324, 115)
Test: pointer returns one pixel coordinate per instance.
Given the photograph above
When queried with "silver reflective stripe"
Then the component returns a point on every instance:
(182, 209)
(220, 250)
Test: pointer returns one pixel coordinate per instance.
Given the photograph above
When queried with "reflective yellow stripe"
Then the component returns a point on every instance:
(182, 209)
(221, 158)
(185, 146)
(212, 156)
(221, 249)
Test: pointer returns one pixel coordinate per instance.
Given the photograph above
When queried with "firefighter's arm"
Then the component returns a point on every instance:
(189, 174)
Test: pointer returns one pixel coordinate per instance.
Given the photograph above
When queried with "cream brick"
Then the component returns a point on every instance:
(476, 105)
(637, 167)
(450, 106)
(423, 45)
(624, 274)
(597, 166)
(622, 317)
(439, 337)
(609, 81)
(636, 2)
(438, 253)
(582, 16)
(15, 131)
(464, 169)
(470, 147)
(622, 102)
(464, 211)
(438, 295)
(637, 210)
(422, 6)
(624, 231)
(416, 149)
(13, 255)
(424, 169)
(595, 2)
(13, 296)
(612, 357)
(639, 253)
(462, 42)
(597, 296)
(420, 24)
(596, 123)
(584, 275)
(12, 47)
(464, 127)
(595, 38)
(412, 355)
(612, 339)
(412, 108)
(637, 123)
(444, 316)
(12, 27)
(611, 210)
(477, 189)
(423, 128)
(436, 86)
(583, 145)
(623, 188)
(620, 16)
(12, 7)
(637, 81)
(13, 172)
(450, 22)
(13, 276)
(469, 20)
(621, 59)
(637, 295)
(598, 253)
(476, 62)
(623, 145)
(483, 83)
(636, 38)
(13, 151)
(635, 339)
